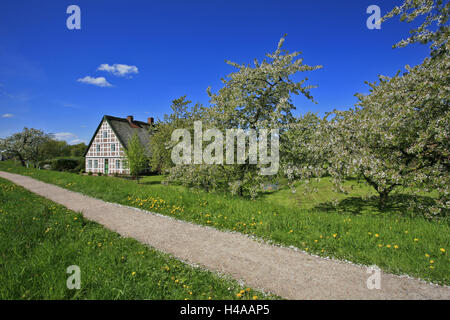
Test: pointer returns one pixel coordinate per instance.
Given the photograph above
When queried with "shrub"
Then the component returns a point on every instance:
(81, 166)
(90, 173)
(64, 164)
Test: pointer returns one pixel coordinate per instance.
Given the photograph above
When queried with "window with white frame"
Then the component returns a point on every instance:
(95, 164)
(89, 164)
(105, 134)
(98, 147)
(113, 147)
(117, 164)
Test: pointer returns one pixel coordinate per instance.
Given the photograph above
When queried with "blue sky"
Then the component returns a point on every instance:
(178, 48)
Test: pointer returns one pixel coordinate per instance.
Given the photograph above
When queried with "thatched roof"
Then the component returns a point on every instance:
(124, 129)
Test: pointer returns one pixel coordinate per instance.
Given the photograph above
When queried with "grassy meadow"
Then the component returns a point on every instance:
(40, 239)
(326, 223)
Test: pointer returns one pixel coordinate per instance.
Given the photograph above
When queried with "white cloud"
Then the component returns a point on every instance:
(64, 136)
(100, 81)
(7, 115)
(67, 136)
(77, 141)
(119, 70)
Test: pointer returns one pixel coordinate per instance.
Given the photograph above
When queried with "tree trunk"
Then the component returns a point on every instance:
(22, 162)
(383, 199)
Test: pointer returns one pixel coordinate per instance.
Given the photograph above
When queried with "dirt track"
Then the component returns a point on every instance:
(282, 271)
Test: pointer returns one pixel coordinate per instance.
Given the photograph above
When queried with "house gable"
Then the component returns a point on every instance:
(105, 142)
(106, 150)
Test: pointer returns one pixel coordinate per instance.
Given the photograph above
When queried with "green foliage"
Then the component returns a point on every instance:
(298, 159)
(254, 97)
(40, 239)
(65, 164)
(36, 147)
(397, 136)
(26, 146)
(160, 146)
(259, 96)
(136, 157)
(54, 148)
(78, 150)
(434, 27)
(183, 116)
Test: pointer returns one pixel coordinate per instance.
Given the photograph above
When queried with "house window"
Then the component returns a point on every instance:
(113, 147)
(98, 148)
(95, 164)
(89, 164)
(117, 164)
(105, 134)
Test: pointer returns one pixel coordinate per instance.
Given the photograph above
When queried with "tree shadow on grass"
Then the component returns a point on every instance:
(397, 204)
(149, 182)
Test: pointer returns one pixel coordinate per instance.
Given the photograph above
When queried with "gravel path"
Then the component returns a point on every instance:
(288, 273)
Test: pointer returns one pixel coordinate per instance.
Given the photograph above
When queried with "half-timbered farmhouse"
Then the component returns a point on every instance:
(105, 152)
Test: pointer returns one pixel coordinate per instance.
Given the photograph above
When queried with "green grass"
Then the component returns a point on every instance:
(397, 240)
(40, 239)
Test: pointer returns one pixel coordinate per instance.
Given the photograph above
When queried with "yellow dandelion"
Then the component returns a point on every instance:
(427, 255)
(377, 235)
(416, 239)
(255, 297)
(442, 249)
(133, 273)
(395, 246)
(238, 295)
(388, 246)
(431, 261)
